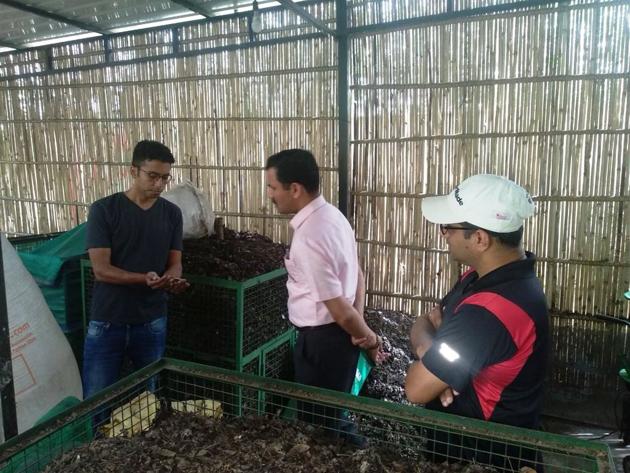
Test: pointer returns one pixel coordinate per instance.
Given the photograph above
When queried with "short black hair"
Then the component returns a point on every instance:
(511, 239)
(149, 150)
(296, 165)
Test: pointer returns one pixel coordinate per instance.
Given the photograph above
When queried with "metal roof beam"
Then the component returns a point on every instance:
(193, 7)
(8, 44)
(51, 16)
(451, 16)
(320, 25)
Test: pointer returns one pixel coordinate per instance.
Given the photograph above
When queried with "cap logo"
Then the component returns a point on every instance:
(458, 198)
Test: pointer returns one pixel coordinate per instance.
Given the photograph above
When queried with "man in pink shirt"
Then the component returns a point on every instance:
(326, 286)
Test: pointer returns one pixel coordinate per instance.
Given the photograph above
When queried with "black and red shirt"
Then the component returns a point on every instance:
(493, 345)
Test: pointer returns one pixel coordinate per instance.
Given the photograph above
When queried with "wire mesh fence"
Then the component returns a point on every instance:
(220, 321)
(132, 407)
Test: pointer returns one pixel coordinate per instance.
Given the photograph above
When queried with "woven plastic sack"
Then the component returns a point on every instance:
(198, 218)
(44, 368)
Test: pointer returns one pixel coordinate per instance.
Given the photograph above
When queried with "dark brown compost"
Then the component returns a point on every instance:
(387, 381)
(238, 256)
(187, 443)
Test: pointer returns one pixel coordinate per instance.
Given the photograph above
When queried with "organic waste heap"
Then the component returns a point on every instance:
(238, 255)
(205, 319)
(189, 443)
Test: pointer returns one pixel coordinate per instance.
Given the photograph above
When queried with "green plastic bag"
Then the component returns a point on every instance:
(364, 366)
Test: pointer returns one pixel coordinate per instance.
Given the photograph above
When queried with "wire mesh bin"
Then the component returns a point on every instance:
(220, 321)
(27, 243)
(137, 404)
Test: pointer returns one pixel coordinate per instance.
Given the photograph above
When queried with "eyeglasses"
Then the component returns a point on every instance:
(154, 176)
(445, 228)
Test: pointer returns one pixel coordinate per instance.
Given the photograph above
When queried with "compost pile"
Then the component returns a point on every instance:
(207, 311)
(238, 256)
(188, 443)
(387, 381)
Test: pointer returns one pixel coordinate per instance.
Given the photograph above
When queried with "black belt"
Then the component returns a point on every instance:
(315, 327)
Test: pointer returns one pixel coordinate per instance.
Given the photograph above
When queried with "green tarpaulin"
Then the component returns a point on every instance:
(54, 263)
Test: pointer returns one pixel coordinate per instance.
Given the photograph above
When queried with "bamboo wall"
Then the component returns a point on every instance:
(539, 95)
(67, 138)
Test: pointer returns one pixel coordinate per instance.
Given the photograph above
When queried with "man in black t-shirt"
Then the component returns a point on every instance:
(134, 240)
(483, 351)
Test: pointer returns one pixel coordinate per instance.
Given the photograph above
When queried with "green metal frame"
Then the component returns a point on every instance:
(85, 265)
(27, 243)
(240, 359)
(596, 455)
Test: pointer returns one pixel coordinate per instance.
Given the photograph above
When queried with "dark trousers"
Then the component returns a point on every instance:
(324, 357)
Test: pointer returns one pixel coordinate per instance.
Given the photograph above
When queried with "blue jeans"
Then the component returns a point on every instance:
(106, 346)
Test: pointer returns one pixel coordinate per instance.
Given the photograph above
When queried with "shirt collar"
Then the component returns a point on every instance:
(300, 217)
(519, 269)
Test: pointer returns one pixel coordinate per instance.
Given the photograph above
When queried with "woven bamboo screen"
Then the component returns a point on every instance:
(541, 96)
(66, 138)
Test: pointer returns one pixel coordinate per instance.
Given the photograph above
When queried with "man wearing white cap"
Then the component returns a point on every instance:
(483, 350)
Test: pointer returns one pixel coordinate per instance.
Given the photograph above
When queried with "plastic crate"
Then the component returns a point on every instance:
(218, 321)
(178, 381)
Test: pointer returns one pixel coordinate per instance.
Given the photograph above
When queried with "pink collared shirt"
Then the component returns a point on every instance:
(322, 263)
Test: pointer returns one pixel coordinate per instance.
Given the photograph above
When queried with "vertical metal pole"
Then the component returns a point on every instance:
(238, 358)
(342, 103)
(9, 415)
(175, 41)
(107, 48)
(50, 63)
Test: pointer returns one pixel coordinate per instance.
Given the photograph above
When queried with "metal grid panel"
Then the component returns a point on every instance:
(250, 403)
(202, 322)
(265, 313)
(87, 286)
(278, 361)
(202, 387)
(30, 242)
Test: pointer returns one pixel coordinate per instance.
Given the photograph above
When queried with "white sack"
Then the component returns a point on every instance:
(198, 218)
(44, 368)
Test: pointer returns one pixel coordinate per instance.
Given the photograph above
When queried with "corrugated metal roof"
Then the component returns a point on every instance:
(26, 23)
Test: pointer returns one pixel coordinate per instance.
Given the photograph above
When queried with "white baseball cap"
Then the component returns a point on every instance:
(487, 201)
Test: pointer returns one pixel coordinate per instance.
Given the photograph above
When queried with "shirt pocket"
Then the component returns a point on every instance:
(295, 275)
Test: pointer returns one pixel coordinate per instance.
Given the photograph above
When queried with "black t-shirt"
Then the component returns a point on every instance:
(140, 241)
(493, 345)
